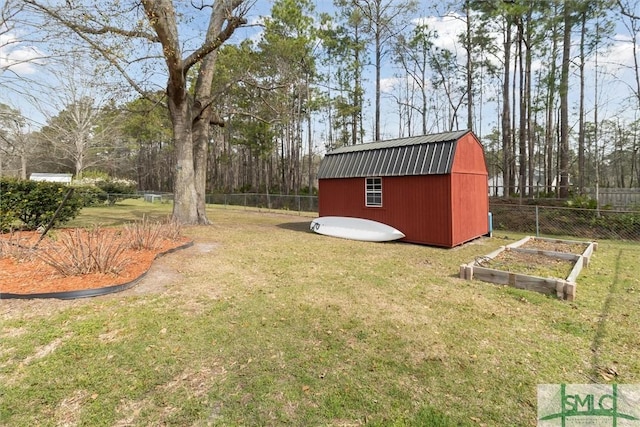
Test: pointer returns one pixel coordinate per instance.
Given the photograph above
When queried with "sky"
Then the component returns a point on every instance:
(613, 93)
(17, 63)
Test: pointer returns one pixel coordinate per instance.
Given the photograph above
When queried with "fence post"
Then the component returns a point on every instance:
(537, 222)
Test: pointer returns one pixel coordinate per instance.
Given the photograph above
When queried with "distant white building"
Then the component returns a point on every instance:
(496, 183)
(64, 178)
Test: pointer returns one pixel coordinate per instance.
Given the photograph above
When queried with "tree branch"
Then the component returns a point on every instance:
(162, 17)
(232, 24)
(625, 11)
(106, 29)
(113, 61)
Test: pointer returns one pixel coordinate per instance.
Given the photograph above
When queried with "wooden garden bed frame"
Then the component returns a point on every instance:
(563, 288)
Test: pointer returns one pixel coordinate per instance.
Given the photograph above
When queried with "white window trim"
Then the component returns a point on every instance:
(367, 192)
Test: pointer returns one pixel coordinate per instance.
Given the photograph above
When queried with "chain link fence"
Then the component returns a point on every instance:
(562, 221)
(506, 215)
(297, 203)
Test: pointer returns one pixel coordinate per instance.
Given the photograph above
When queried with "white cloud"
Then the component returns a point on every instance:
(620, 54)
(17, 57)
(392, 85)
(388, 85)
(448, 28)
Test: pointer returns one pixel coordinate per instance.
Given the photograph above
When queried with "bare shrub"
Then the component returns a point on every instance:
(144, 234)
(99, 250)
(171, 229)
(15, 245)
(77, 252)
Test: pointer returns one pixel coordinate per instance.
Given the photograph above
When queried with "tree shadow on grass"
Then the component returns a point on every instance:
(598, 339)
(301, 226)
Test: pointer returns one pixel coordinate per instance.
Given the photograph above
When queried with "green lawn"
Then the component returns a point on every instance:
(265, 323)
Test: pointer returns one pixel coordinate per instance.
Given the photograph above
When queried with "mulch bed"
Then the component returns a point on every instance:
(23, 272)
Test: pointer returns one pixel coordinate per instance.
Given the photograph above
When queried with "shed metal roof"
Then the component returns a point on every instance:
(419, 155)
(51, 177)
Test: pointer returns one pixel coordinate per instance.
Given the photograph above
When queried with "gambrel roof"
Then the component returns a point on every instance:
(419, 155)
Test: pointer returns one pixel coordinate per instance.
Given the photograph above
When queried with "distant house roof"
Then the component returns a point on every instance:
(51, 177)
(418, 155)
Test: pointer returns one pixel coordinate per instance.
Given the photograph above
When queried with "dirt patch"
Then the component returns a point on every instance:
(556, 246)
(45, 350)
(528, 263)
(164, 272)
(68, 411)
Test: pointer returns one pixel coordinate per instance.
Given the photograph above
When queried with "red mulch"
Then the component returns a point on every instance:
(30, 275)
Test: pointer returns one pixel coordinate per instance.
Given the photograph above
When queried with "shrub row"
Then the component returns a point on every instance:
(27, 205)
(101, 190)
(31, 204)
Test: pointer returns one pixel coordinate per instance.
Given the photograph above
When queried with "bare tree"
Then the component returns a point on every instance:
(15, 142)
(385, 20)
(564, 103)
(18, 56)
(74, 133)
(414, 55)
(136, 41)
(631, 21)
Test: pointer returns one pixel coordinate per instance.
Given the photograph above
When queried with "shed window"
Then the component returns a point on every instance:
(373, 192)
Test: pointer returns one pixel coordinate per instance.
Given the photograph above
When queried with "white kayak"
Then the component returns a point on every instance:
(355, 229)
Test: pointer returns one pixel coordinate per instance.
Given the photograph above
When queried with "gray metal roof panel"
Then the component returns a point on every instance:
(421, 155)
(402, 142)
(412, 159)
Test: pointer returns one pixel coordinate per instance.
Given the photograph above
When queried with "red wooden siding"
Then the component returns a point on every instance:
(469, 195)
(419, 206)
(342, 197)
(470, 210)
(469, 156)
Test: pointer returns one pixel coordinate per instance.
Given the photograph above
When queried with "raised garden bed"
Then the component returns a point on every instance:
(549, 266)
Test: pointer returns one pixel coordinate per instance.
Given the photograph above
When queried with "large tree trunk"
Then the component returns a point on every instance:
(201, 135)
(162, 18)
(191, 138)
(184, 204)
(204, 114)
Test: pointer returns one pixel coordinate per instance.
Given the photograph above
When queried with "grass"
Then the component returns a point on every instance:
(123, 212)
(269, 324)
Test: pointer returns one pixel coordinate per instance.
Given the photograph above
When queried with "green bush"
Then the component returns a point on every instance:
(585, 202)
(91, 196)
(101, 189)
(31, 204)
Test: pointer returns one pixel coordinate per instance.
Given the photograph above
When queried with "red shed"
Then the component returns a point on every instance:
(433, 188)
